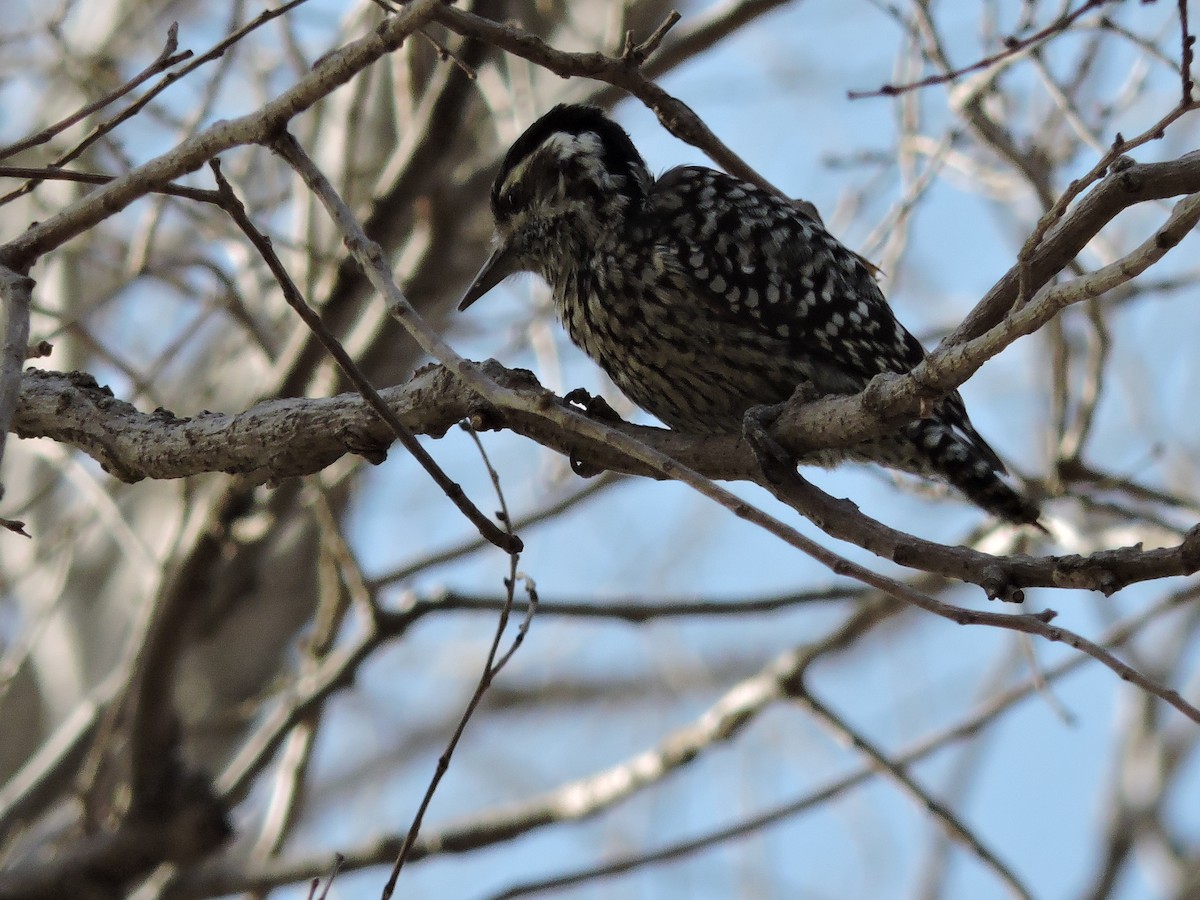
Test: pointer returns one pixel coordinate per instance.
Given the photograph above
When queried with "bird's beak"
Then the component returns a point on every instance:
(501, 264)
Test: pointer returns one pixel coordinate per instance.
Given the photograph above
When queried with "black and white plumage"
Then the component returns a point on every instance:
(702, 296)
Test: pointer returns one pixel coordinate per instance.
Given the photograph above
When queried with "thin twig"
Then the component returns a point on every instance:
(579, 494)
(445, 54)
(1187, 54)
(233, 205)
(897, 772)
(491, 669)
(676, 116)
(36, 173)
(1012, 47)
(1114, 157)
(166, 59)
(620, 610)
(636, 54)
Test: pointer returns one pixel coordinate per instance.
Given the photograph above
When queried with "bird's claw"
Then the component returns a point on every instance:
(582, 468)
(593, 404)
(774, 461)
(597, 408)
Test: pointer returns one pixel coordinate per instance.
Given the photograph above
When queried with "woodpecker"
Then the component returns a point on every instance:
(703, 296)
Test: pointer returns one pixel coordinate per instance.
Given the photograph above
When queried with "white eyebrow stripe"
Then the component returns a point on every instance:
(585, 146)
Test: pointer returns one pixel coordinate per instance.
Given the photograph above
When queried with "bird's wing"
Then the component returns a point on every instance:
(758, 260)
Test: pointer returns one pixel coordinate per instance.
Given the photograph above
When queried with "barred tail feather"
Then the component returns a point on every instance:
(955, 459)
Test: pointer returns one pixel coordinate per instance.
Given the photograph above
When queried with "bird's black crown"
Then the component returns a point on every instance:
(617, 154)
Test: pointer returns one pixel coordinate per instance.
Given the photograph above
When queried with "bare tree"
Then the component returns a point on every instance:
(231, 662)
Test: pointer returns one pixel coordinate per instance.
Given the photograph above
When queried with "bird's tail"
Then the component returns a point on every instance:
(953, 458)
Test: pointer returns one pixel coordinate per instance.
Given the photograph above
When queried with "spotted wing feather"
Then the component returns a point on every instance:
(759, 259)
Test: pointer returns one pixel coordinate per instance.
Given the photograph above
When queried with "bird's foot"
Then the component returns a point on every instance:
(774, 461)
(593, 404)
(597, 408)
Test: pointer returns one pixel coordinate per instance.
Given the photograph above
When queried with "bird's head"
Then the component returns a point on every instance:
(571, 175)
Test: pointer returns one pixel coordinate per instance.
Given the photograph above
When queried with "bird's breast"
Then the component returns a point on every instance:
(667, 351)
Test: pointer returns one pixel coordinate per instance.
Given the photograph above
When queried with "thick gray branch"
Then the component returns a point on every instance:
(15, 291)
(284, 438)
(279, 439)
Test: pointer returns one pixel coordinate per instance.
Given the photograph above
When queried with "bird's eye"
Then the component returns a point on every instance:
(507, 203)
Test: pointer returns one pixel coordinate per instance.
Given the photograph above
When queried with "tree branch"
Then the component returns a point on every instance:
(15, 297)
(280, 439)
